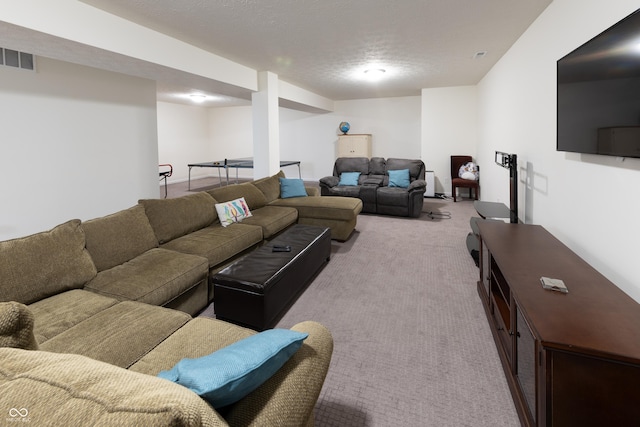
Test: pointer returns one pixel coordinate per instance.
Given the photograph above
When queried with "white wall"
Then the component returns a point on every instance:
(312, 138)
(589, 202)
(183, 138)
(394, 122)
(449, 127)
(76, 143)
(308, 137)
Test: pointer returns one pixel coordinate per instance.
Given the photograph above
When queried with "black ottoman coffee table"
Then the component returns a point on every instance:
(256, 290)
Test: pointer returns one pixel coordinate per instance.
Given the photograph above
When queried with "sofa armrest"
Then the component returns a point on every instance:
(376, 182)
(418, 185)
(16, 326)
(329, 181)
(289, 397)
(69, 389)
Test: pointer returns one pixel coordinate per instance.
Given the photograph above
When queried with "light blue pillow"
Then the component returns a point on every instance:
(349, 178)
(229, 374)
(399, 178)
(290, 187)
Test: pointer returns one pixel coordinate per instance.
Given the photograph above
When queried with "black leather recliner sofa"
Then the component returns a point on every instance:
(373, 184)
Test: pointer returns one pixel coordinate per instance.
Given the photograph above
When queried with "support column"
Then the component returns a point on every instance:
(266, 126)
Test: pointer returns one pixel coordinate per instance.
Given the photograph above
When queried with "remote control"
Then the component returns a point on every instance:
(280, 248)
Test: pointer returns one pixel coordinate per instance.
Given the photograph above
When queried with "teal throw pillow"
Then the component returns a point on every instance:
(349, 178)
(229, 374)
(290, 187)
(399, 178)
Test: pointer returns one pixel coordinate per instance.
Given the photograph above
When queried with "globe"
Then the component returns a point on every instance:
(344, 127)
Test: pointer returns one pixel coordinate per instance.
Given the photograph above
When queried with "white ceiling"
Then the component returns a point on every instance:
(325, 45)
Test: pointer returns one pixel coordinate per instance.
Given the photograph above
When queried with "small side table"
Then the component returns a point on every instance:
(489, 211)
(492, 210)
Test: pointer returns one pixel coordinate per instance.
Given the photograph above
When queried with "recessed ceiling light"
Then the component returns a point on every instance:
(480, 54)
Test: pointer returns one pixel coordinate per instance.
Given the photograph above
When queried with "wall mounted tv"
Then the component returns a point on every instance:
(599, 93)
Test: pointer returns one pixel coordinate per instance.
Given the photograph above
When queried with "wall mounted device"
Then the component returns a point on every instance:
(510, 161)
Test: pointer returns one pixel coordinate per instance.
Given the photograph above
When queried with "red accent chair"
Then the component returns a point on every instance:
(457, 182)
(164, 174)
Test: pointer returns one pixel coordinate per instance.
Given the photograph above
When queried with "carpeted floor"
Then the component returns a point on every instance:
(412, 343)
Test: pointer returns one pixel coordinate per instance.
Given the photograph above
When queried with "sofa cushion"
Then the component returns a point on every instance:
(326, 207)
(117, 238)
(312, 191)
(295, 386)
(172, 218)
(155, 277)
(393, 196)
(72, 390)
(415, 166)
(232, 211)
(199, 337)
(351, 164)
(377, 166)
(60, 312)
(16, 326)
(345, 191)
(217, 243)
(253, 196)
(270, 186)
(229, 374)
(273, 219)
(44, 264)
(119, 335)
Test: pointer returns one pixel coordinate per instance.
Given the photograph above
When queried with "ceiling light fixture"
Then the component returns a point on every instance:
(198, 97)
(375, 72)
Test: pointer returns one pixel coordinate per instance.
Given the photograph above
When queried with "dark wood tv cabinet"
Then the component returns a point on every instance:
(570, 359)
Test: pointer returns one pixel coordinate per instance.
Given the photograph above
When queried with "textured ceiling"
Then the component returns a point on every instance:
(325, 45)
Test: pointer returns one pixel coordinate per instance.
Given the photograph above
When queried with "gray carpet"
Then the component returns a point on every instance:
(412, 343)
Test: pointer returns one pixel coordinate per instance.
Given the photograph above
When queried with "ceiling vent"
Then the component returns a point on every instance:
(480, 54)
(15, 59)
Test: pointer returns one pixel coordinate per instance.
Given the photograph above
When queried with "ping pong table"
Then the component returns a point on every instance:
(242, 163)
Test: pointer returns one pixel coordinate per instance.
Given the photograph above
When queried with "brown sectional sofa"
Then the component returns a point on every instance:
(91, 312)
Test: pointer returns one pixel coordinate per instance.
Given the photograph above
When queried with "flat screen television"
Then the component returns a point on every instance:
(599, 93)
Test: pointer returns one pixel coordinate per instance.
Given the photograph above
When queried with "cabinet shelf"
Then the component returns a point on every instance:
(354, 145)
(503, 309)
(557, 373)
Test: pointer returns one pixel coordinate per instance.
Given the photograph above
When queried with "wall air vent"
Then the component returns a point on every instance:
(15, 59)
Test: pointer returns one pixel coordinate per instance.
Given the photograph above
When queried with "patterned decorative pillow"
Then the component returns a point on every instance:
(232, 211)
